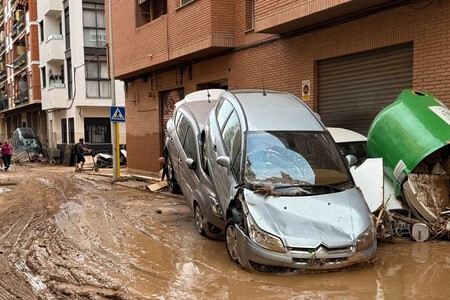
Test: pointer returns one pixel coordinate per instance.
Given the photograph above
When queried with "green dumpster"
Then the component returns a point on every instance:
(414, 126)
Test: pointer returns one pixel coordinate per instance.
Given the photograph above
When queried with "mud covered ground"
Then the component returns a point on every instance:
(67, 235)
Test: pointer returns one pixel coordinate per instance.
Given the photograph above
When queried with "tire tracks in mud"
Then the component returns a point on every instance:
(63, 235)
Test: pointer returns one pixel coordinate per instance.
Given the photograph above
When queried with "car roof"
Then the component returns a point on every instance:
(199, 110)
(202, 95)
(272, 110)
(342, 135)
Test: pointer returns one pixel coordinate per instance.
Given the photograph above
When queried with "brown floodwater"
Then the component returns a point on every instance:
(77, 236)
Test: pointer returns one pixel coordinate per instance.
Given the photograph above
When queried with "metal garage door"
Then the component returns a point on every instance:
(354, 88)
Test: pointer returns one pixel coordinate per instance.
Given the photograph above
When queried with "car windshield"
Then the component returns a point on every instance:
(293, 158)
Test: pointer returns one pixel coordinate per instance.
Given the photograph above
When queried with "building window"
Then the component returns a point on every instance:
(249, 14)
(64, 131)
(94, 25)
(41, 29)
(149, 10)
(184, 2)
(97, 130)
(69, 78)
(71, 131)
(97, 82)
(44, 77)
(67, 24)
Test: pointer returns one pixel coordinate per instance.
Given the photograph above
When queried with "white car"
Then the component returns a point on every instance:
(377, 187)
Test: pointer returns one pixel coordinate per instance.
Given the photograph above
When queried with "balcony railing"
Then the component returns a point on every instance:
(18, 26)
(2, 46)
(4, 103)
(20, 61)
(22, 97)
(2, 75)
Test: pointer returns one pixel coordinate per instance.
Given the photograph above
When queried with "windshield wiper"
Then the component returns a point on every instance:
(301, 186)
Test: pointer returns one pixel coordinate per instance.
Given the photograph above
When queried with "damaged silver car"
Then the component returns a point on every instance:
(182, 150)
(286, 192)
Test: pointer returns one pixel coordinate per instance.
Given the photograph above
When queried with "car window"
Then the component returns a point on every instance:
(358, 149)
(293, 157)
(189, 144)
(223, 111)
(182, 128)
(232, 136)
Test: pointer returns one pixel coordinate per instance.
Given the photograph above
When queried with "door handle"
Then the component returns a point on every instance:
(180, 161)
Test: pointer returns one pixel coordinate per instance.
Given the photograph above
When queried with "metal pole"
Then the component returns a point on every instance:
(114, 127)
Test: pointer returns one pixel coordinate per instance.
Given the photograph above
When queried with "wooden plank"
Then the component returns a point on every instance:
(157, 186)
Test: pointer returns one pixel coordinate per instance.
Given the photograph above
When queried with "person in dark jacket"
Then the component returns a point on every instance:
(80, 149)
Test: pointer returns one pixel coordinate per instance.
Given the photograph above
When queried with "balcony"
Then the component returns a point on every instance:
(21, 97)
(52, 8)
(2, 46)
(4, 103)
(54, 49)
(56, 96)
(18, 27)
(303, 15)
(20, 62)
(2, 75)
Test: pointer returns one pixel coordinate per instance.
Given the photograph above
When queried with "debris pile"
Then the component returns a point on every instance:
(412, 136)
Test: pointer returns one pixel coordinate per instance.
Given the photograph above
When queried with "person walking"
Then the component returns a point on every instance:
(6, 151)
(80, 149)
(1, 159)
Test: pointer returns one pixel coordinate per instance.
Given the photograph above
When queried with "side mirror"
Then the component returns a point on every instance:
(224, 161)
(350, 159)
(191, 163)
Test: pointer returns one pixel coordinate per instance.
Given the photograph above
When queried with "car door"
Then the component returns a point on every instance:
(176, 132)
(226, 143)
(188, 177)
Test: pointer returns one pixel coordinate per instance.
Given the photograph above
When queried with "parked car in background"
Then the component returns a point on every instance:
(286, 193)
(25, 139)
(182, 150)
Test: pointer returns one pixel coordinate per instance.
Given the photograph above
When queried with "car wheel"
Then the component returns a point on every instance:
(198, 216)
(172, 184)
(231, 241)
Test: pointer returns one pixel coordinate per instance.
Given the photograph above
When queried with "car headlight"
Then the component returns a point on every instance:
(215, 206)
(264, 239)
(366, 239)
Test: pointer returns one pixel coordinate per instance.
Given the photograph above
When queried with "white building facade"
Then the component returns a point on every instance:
(76, 89)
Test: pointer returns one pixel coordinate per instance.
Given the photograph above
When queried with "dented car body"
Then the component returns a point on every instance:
(182, 150)
(287, 196)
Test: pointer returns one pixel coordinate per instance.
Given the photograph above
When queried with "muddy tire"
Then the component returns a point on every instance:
(231, 241)
(198, 217)
(172, 184)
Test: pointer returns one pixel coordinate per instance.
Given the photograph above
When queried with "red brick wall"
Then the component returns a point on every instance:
(282, 64)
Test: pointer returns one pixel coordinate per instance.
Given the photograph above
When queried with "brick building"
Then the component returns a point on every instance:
(345, 59)
(20, 94)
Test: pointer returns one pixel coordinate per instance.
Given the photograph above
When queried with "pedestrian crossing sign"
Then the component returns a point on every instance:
(117, 114)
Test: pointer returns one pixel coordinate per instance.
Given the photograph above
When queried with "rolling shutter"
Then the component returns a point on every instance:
(354, 88)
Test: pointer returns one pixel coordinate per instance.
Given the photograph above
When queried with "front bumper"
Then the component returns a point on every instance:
(320, 258)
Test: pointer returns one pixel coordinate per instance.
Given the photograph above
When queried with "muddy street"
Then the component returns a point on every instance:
(67, 235)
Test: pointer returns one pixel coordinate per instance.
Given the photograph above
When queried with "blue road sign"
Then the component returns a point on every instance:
(117, 114)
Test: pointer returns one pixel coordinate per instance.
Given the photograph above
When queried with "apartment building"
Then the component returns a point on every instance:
(75, 82)
(347, 59)
(20, 94)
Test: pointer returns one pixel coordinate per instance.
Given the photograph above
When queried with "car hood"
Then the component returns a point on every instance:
(334, 220)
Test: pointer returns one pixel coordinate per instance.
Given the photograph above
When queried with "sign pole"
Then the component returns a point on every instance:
(117, 147)
(115, 128)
